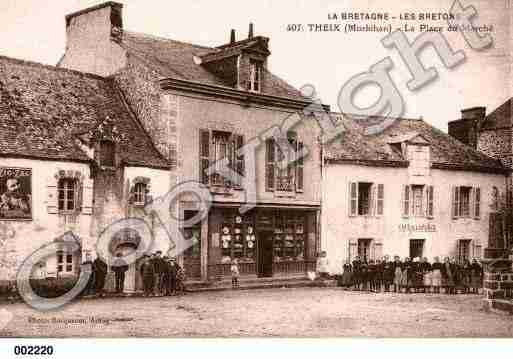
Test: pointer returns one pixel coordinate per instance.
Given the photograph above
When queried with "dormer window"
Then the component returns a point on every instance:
(255, 76)
(140, 190)
(107, 153)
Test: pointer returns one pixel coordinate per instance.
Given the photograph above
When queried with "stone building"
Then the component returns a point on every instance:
(411, 191)
(73, 159)
(491, 134)
(171, 110)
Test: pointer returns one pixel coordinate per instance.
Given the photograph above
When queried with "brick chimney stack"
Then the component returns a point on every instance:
(467, 128)
(92, 39)
(232, 36)
(251, 31)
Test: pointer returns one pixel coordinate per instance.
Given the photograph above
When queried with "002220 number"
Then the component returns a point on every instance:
(33, 350)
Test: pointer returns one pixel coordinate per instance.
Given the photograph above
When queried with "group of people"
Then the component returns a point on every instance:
(161, 275)
(412, 275)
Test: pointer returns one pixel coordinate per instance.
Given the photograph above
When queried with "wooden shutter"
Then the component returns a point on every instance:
(430, 202)
(51, 195)
(380, 199)
(299, 167)
(352, 249)
(353, 198)
(406, 200)
(477, 203)
(270, 159)
(239, 158)
(372, 200)
(455, 202)
(87, 203)
(204, 163)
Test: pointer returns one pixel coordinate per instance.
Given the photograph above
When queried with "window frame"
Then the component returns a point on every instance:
(255, 76)
(63, 189)
(63, 263)
(140, 193)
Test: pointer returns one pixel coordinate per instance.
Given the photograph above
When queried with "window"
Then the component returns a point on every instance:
(140, 190)
(255, 76)
(290, 178)
(65, 263)
(416, 248)
(419, 160)
(217, 146)
(68, 194)
(366, 199)
(418, 205)
(107, 153)
(466, 202)
(289, 237)
(463, 250)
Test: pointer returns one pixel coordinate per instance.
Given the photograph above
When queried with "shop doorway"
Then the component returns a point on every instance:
(364, 246)
(265, 254)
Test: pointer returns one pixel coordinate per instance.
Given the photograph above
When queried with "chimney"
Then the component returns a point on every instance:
(250, 33)
(91, 36)
(232, 36)
(467, 128)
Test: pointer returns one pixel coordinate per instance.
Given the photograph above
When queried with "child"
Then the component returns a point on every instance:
(235, 274)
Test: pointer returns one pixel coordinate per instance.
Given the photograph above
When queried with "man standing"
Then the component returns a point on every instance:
(88, 267)
(158, 265)
(119, 267)
(100, 272)
(147, 274)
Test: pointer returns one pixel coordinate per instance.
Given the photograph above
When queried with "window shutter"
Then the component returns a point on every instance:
(380, 199)
(352, 249)
(299, 168)
(270, 165)
(455, 202)
(51, 195)
(406, 201)
(477, 202)
(372, 200)
(87, 204)
(204, 162)
(239, 158)
(430, 201)
(353, 199)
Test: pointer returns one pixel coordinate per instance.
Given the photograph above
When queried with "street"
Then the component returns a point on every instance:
(300, 312)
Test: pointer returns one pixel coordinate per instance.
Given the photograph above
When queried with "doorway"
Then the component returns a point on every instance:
(364, 245)
(265, 254)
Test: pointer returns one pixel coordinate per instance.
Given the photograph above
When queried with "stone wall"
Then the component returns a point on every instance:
(498, 285)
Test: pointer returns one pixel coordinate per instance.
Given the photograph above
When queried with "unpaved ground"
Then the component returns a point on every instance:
(312, 312)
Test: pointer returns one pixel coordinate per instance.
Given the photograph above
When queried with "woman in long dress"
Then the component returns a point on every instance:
(436, 275)
(476, 276)
(398, 274)
(347, 275)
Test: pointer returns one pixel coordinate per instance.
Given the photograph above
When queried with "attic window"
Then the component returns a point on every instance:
(255, 76)
(107, 153)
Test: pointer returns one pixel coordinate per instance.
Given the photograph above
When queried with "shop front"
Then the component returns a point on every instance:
(266, 242)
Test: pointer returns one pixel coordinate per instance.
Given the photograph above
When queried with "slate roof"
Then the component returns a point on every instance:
(355, 146)
(43, 107)
(500, 118)
(174, 59)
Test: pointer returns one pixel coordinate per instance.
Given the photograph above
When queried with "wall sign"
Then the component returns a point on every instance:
(425, 227)
(15, 193)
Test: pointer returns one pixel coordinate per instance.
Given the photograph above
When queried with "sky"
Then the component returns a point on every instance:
(35, 30)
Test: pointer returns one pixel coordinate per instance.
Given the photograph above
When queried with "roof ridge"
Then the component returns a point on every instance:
(49, 67)
(161, 38)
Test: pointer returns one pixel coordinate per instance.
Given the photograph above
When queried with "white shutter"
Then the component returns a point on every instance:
(352, 249)
(353, 199)
(455, 202)
(51, 195)
(380, 200)
(87, 203)
(377, 249)
(406, 201)
(477, 203)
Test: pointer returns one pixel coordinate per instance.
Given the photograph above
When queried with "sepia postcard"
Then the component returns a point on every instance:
(293, 169)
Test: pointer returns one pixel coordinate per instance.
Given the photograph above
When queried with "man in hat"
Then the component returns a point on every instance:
(100, 272)
(147, 273)
(158, 264)
(119, 267)
(173, 271)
